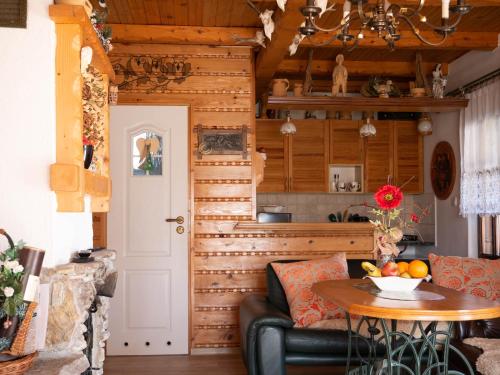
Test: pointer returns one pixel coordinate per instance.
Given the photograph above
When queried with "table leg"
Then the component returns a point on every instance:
(422, 351)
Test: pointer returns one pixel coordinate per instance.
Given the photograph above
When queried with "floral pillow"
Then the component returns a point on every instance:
(297, 279)
(479, 277)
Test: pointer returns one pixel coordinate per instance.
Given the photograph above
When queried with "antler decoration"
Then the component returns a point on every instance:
(266, 17)
(258, 39)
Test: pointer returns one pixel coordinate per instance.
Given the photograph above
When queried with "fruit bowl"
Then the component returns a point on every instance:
(396, 283)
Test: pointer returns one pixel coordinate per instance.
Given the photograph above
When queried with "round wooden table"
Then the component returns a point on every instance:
(426, 345)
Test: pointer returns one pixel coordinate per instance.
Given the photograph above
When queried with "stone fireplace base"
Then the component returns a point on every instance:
(75, 292)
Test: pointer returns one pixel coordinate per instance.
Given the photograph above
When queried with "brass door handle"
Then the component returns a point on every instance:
(178, 220)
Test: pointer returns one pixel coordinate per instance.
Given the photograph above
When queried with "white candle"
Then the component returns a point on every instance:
(347, 8)
(445, 10)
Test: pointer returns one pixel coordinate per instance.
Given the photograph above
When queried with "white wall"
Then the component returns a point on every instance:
(27, 141)
(456, 235)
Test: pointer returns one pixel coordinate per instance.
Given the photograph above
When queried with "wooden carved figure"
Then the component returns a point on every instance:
(339, 77)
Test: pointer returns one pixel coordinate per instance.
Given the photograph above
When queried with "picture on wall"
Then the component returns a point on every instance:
(222, 142)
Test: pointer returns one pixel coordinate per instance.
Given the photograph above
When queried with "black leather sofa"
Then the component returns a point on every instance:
(269, 342)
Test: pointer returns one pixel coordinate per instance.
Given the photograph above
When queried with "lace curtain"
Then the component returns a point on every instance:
(480, 152)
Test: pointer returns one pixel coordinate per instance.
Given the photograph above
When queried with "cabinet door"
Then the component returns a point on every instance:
(309, 156)
(268, 137)
(346, 146)
(408, 156)
(379, 156)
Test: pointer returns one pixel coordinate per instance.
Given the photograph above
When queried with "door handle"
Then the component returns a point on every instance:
(178, 220)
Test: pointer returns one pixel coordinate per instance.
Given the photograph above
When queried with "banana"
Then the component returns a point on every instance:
(375, 273)
(371, 269)
(367, 266)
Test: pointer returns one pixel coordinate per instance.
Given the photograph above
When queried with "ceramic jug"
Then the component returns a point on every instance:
(280, 87)
(298, 89)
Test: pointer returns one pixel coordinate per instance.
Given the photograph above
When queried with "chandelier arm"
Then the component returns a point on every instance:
(444, 28)
(354, 46)
(364, 19)
(329, 41)
(347, 19)
(417, 33)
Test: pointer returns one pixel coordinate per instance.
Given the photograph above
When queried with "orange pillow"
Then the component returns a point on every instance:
(479, 277)
(297, 279)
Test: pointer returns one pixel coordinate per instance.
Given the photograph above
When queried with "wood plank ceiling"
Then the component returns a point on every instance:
(217, 21)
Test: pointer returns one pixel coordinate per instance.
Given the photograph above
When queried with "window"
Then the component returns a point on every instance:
(147, 154)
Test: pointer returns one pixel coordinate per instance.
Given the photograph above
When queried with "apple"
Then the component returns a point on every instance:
(390, 269)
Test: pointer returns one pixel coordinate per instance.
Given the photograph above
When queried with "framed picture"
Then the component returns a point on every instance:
(443, 170)
(222, 142)
(488, 236)
(13, 13)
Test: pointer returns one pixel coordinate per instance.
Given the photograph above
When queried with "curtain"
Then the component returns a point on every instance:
(480, 152)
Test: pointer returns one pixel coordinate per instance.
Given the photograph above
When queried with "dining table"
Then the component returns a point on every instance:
(406, 332)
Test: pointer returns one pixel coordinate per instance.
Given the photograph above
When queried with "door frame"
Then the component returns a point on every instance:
(190, 202)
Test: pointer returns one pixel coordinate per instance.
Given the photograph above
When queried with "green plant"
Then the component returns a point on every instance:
(11, 274)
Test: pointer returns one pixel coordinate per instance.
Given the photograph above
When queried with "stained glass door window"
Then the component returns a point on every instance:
(147, 154)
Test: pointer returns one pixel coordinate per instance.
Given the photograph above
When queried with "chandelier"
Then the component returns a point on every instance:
(383, 18)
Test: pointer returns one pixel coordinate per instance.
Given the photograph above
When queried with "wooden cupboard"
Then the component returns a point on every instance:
(297, 163)
(346, 145)
(379, 156)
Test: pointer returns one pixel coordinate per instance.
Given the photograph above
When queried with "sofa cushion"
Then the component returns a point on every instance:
(479, 277)
(297, 279)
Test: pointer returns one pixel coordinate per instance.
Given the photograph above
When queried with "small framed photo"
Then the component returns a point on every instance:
(488, 236)
(222, 141)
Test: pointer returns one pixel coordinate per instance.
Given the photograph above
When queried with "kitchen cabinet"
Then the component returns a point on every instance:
(408, 156)
(397, 151)
(297, 163)
(309, 149)
(346, 146)
(379, 153)
(269, 138)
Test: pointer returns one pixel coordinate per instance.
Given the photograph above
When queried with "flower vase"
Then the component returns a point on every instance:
(88, 153)
(382, 259)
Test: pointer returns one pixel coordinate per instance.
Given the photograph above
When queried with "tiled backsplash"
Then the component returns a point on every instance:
(315, 207)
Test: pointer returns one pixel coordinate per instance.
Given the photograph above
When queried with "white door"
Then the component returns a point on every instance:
(149, 170)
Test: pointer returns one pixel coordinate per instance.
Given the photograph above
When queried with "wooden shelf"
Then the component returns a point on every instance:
(341, 228)
(97, 185)
(75, 14)
(356, 103)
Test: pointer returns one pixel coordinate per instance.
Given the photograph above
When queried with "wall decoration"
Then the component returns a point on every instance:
(443, 170)
(13, 13)
(153, 73)
(259, 39)
(438, 83)
(94, 100)
(221, 142)
(99, 20)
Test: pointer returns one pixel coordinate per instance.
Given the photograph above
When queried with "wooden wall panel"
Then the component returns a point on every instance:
(226, 264)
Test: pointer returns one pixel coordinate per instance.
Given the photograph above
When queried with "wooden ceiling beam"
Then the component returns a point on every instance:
(459, 40)
(358, 68)
(268, 59)
(216, 36)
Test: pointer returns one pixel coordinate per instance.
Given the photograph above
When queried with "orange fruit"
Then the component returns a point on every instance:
(417, 269)
(403, 267)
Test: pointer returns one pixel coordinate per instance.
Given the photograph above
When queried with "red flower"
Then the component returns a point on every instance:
(388, 197)
(414, 218)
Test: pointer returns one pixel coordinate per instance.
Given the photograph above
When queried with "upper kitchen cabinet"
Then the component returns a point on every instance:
(269, 138)
(297, 163)
(379, 153)
(309, 149)
(346, 146)
(396, 150)
(408, 156)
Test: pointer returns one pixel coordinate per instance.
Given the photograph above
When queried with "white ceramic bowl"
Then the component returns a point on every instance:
(273, 208)
(396, 283)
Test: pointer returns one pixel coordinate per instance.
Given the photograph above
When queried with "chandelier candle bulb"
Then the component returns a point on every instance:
(445, 9)
(347, 8)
